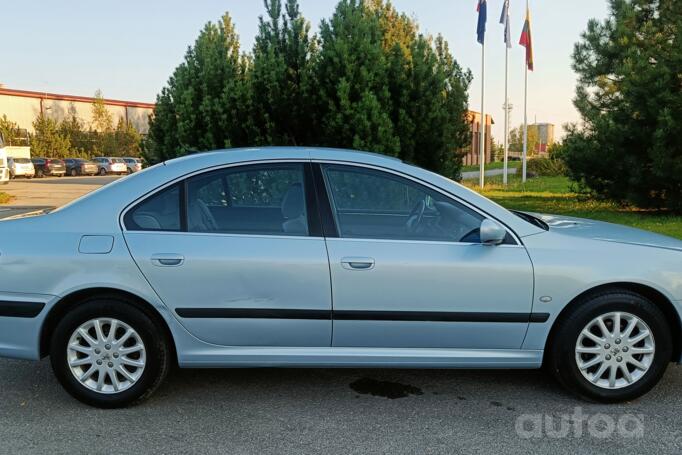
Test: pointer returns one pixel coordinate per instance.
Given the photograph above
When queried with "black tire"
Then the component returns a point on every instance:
(156, 346)
(102, 171)
(40, 174)
(74, 172)
(562, 356)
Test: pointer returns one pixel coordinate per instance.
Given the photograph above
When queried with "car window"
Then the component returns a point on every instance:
(262, 199)
(379, 205)
(21, 160)
(159, 212)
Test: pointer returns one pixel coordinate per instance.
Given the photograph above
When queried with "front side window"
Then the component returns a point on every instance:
(159, 212)
(378, 205)
(261, 199)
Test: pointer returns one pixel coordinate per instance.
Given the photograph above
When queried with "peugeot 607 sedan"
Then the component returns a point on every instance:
(296, 257)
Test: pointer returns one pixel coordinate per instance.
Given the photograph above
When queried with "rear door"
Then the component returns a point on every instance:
(237, 254)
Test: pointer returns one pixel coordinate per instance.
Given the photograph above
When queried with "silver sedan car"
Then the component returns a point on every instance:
(303, 257)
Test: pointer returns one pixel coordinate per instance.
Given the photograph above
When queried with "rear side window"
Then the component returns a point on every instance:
(261, 200)
(160, 212)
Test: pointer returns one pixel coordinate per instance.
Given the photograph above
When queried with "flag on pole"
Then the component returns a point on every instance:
(504, 20)
(527, 40)
(482, 19)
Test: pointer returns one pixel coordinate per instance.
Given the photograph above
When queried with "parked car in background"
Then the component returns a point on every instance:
(20, 167)
(110, 165)
(133, 164)
(49, 167)
(80, 166)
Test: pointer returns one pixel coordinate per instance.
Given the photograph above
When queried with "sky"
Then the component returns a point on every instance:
(129, 48)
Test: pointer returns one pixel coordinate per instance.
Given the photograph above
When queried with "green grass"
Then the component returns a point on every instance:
(555, 195)
(491, 166)
(5, 198)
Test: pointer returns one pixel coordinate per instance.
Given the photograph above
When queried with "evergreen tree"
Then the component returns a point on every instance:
(200, 107)
(47, 140)
(8, 129)
(281, 76)
(629, 95)
(353, 97)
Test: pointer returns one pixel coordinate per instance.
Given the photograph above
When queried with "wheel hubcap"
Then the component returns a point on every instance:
(615, 350)
(106, 355)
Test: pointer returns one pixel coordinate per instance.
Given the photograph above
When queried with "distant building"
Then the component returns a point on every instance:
(545, 132)
(472, 152)
(23, 106)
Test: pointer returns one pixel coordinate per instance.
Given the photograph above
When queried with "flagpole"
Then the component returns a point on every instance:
(525, 125)
(506, 115)
(525, 108)
(481, 144)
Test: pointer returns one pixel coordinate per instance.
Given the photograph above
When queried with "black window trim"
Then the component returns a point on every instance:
(512, 239)
(312, 198)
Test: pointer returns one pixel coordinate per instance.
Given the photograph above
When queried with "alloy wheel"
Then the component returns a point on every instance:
(615, 350)
(106, 355)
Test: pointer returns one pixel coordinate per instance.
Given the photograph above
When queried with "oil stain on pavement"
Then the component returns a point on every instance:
(385, 389)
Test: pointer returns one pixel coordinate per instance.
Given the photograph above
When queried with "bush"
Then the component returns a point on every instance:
(546, 167)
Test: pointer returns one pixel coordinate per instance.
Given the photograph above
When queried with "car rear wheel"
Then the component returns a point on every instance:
(613, 347)
(102, 171)
(109, 354)
(74, 173)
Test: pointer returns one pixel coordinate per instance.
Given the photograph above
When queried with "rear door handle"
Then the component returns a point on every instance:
(357, 263)
(167, 260)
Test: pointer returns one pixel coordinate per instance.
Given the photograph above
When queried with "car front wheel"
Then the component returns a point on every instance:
(109, 354)
(613, 347)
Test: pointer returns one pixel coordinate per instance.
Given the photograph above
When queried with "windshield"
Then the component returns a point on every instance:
(532, 219)
(21, 160)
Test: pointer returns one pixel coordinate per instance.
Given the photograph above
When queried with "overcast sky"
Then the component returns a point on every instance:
(129, 48)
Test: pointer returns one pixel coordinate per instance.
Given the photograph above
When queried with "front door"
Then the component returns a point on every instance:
(408, 269)
(237, 255)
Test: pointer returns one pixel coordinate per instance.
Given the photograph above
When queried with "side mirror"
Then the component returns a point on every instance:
(492, 233)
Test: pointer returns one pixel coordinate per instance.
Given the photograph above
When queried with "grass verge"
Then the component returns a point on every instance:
(555, 195)
(5, 198)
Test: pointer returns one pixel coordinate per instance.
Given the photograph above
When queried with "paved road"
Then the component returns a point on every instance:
(318, 411)
(51, 191)
(491, 173)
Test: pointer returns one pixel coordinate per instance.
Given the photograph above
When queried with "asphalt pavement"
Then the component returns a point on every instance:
(278, 411)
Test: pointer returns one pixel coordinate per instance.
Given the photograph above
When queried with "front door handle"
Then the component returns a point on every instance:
(168, 260)
(357, 263)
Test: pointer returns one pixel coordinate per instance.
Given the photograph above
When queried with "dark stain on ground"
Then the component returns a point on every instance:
(461, 398)
(386, 389)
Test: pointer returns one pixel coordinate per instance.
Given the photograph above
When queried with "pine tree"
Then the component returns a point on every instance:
(47, 140)
(353, 97)
(199, 108)
(281, 76)
(629, 95)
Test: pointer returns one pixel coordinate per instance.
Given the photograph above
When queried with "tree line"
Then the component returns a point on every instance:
(367, 80)
(71, 137)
